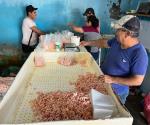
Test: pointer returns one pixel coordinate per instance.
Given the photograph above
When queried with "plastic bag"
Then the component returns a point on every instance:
(103, 105)
(67, 60)
(39, 60)
(52, 43)
(84, 60)
(66, 36)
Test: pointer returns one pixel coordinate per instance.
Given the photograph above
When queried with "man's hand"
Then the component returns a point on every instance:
(100, 43)
(107, 79)
(135, 80)
(84, 43)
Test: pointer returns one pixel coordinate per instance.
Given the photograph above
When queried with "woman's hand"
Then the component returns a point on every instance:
(70, 25)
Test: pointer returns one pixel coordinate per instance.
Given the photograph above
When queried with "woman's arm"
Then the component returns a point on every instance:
(76, 28)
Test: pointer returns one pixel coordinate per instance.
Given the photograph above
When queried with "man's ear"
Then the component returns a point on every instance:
(29, 13)
(127, 34)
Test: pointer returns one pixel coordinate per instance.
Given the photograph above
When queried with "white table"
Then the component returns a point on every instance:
(42, 37)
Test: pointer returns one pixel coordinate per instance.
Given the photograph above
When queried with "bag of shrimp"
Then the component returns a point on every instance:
(83, 59)
(66, 59)
(39, 60)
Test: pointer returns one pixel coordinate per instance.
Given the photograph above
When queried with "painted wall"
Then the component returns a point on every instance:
(53, 15)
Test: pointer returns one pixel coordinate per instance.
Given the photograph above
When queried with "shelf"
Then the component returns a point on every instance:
(137, 14)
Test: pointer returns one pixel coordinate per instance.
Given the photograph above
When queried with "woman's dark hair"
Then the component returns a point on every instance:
(94, 21)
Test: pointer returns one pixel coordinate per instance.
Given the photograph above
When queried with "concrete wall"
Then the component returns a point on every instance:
(131, 4)
(145, 32)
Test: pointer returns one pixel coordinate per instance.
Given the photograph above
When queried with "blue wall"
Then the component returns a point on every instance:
(53, 15)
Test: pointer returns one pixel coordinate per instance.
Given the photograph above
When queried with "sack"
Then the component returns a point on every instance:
(147, 107)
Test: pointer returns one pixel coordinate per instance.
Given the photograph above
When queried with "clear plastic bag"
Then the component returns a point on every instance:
(66, 36)
(52, 44)
(103, 105)
(46, 42)
(39, 60)
(67, 60)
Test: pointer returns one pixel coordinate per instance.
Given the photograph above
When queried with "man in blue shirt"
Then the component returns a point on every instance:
(126, 62)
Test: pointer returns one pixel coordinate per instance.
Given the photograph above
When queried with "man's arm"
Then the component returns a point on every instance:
(135, 80)
(36, 30)
(101, 43)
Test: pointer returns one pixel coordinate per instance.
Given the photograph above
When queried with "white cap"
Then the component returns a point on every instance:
(119, 23)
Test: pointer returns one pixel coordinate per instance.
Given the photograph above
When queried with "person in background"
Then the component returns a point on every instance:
(90, 26)
(90, 12)
(90, 33)
(126, 62)
(30, 30)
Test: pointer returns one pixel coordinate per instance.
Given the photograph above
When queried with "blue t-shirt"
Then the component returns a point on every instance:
(124, 63)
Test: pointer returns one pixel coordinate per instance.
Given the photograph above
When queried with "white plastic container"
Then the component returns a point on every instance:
(15, 107)
(75, 40)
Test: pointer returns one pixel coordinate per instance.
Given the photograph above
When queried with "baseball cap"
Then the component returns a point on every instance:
(128, 22)
(89, 11)
(30, 8)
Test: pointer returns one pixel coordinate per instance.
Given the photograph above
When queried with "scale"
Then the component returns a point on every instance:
(71, 47)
